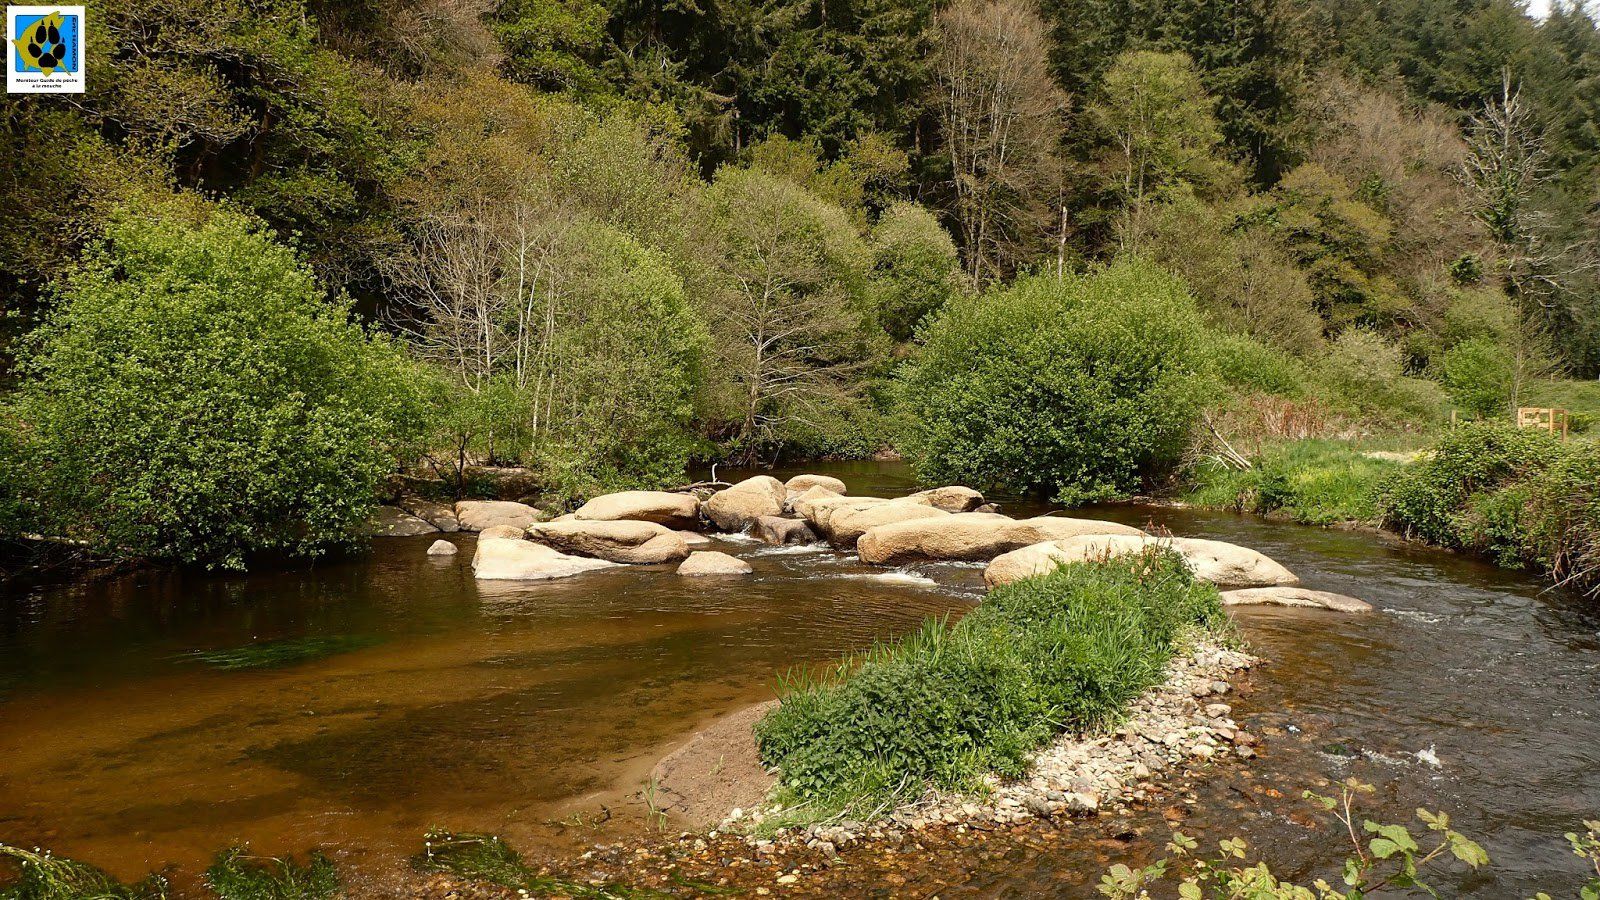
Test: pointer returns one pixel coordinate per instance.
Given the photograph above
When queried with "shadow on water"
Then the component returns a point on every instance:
(428, 700)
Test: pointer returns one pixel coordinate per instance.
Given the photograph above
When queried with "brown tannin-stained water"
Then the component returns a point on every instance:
(528, 710)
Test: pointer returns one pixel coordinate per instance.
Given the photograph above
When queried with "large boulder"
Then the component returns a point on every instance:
(775, 530)
(1288, 595)
(505, 559)
(802, 483)
(503, 531)
(1221, 563)
(713, 562)
(388, 521)
(736, 507)
(476, 515)
(971, 536)
(817, 508)
(661, 507)
(440, 515)
(621, 541)
(847, 524)
(951, 498)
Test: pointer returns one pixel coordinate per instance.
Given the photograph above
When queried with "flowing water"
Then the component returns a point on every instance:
(132, 736)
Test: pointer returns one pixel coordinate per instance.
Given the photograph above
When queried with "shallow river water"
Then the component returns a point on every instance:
(535, 711)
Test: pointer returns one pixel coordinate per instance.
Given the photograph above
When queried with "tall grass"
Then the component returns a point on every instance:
(1313, 482)
(943, 707)
(236, 875)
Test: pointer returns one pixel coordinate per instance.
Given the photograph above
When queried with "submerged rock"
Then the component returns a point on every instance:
(505, 559)
(1288, 595)
(442, 547)
(476, 515)
(735, 508)
(661, 507)
(620, 541)
(972, 536)
(713, 562)
(387, 521)
(1221, 563)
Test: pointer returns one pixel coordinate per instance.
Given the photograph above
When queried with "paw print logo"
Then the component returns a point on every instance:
(41, 45)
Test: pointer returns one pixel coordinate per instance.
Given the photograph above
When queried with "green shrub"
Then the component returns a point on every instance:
(915, 268)
(1434, 500)
(197, 397)
(1562, 527)
(1364, 374)
(1478, 375)
(1076, 386)
(1249, 365)
(1066, 650)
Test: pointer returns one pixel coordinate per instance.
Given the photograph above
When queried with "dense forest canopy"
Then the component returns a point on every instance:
(613, 236)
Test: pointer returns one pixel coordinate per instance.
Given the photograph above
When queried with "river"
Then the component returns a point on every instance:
(534, 711)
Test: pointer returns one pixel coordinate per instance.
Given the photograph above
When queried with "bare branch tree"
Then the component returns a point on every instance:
(1001, 115)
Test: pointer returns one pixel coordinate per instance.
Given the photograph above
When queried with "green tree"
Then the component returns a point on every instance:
(915, 268)
(786, 294)
(1158, 121)
(1077, 387)
(1478, 375)
(197, 397)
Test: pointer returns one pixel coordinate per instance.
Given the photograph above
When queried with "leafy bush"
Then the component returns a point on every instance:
(1076, 386)
(1365, 374)
(1249, 365)
(1478, 375)
(915, 268)
(1061, 651)
(197, 397)
(1432, 500)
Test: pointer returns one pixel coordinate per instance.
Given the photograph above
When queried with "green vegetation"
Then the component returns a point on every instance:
(274, 654)
(600, 241)
(1315, 482)
(486, 858)
(44, 876)
(1390, 858)
(195, 396)
(945, 706)
(235, 875)
(1075, 386)
(1520, 497)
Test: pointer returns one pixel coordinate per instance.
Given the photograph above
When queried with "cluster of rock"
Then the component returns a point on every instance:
(1183, 723)
(951, 523)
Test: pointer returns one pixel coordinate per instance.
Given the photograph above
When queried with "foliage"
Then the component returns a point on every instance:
(196, 397)
(787, 282)
(1477, 375)
(1077, 386)
(235, 875)
(1365, 374)
(44, 876)
(944, 706)
(1390, 858)
(486, 858)
(915, 269)
(1431, 499)
(1314, 482)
